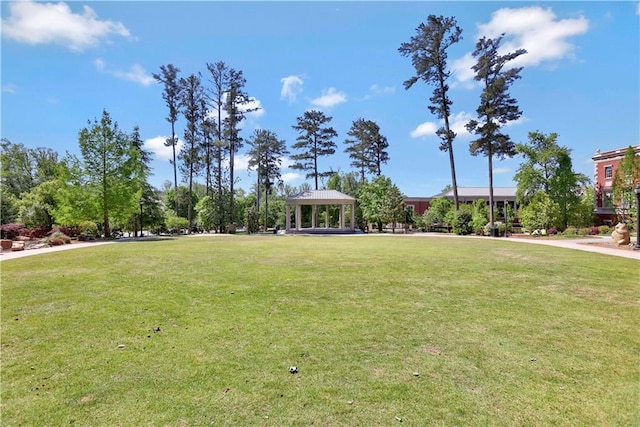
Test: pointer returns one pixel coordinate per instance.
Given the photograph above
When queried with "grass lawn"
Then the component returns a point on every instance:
(383, 330)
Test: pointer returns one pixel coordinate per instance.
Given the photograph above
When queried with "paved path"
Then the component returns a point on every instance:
(576, 244)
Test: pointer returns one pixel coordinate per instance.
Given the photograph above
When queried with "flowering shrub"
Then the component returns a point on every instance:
(11, 231)
(594, 230)
(39, 232)
(552, 231)
(72, 231)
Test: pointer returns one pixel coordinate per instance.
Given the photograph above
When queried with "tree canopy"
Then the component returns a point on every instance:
(315, 140)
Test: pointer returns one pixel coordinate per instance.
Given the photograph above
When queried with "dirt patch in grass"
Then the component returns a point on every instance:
(430, 349)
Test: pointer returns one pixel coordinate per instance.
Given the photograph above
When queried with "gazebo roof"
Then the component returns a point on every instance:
(320, 197)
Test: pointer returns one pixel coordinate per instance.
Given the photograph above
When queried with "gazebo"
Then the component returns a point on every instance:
(315, 198)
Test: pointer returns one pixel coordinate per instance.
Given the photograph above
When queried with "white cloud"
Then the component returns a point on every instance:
(461, 69)
(424, 129)
(156, 146)
(290, 177)
(500, 171)
(330, 97)
(9, 88)
(456, 122)
(291, 88)
(377, 90)
(535, 29)
(254, 103)
(286, 162)
(241, 162)
(638, 9)
(54, 23)
(135, 74)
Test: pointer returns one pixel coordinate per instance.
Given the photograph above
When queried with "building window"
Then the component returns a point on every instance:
(608, 172)
(608, 199)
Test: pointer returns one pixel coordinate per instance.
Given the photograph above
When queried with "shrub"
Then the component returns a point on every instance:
(175, 224)
(73, 231)
(88, 227)
(594, 230)
(501, 226)
(552, 231)
(604, 229)
(39, 232)
(56, 241)
(12, 230)
(584, 231)
(59, 235)
(462, 223)
(570, 231)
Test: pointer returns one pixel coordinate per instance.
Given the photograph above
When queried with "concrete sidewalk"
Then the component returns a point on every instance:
(582, 245)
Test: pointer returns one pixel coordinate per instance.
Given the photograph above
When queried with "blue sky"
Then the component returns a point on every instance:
(63, 63)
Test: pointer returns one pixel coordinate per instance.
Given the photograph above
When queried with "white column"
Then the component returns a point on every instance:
(313, 216)
(353, 216)
(287, 221)
(298, 217)
(326, 216)
(341, 215)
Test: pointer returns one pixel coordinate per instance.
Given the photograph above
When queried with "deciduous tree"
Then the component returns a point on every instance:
(106, 164)
(548, 167)
(381, 202)
(627, 176)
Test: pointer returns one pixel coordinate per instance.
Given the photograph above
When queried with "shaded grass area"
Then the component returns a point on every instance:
(429, 331)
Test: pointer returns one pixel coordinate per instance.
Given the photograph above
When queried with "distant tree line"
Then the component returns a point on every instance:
(107, 185)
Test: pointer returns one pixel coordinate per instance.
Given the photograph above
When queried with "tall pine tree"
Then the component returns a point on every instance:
(428, 51)
(496, 108)
(168, 76)
(315, 140)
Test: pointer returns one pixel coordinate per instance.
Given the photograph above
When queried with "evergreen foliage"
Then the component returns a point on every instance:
(428, 51)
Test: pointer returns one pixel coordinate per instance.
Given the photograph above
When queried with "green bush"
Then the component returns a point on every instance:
(583, 231)
(177, 223)
(88, 227)
(462, 223)
(501, 226)
(570, 231)
(604, 229)
(251, 219)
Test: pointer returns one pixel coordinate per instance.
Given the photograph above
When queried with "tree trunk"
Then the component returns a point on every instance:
(490, 189)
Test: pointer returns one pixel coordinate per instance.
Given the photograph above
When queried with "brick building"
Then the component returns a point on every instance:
(605, 165)
(501, 196)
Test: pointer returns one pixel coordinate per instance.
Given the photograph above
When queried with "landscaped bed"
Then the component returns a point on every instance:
(381, 330)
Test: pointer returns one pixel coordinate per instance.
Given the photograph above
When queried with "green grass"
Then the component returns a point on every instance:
(499, 333)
